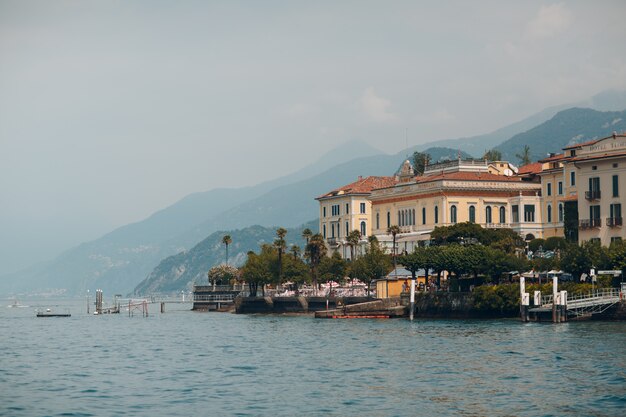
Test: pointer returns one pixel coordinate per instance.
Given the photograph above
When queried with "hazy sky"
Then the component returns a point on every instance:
(110, 110)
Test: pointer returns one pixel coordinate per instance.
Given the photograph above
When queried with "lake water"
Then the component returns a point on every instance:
(184, 363)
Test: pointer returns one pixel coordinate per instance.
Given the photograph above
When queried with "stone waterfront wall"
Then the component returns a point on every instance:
(452, 305)
(278, 305)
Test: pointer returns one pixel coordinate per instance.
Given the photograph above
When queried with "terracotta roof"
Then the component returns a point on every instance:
(591, 142)
(361, 186)
(533, 168)
(593, 157)
(467, 176)
(553, 158)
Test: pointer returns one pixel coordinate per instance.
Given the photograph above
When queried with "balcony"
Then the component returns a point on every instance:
(590, 223)
(614, 221)
(592, 195)
(332, 242)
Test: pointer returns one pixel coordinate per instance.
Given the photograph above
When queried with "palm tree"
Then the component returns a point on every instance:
(226, 240)
(306, 234)
(524, 157)
(280, 244)
(353, 240)
(295, 249)
(393, 231)
(315, 251)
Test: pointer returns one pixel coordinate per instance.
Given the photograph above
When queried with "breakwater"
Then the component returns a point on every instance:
(278, 305)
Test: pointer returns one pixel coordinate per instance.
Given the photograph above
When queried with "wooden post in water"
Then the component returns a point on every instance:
(412, 307)
(162, 307)
(555, 283)
(524, 300)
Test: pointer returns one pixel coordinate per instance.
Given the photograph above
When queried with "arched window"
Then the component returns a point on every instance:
(560, 212)
(549, 213)
(362, 228)
(388, 220)
(423, 215)
(472, 214)
(488, 215)
(377, 220)
(324, 230)
(436, 214)
(502, 214)
(453, 214)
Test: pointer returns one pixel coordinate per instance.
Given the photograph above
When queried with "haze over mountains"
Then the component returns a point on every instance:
(118, 261)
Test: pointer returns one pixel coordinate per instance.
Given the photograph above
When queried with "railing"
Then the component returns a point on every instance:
(332, 241)
(592, 195)
(614, 221)
(217, 288)
(601, 296)
(214, 298)
(590, 223)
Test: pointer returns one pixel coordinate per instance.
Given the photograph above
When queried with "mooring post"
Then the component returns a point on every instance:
(563, 306)
(555, 283)
(524, 300)
(128, 308)
(162, 307)
(412, 308)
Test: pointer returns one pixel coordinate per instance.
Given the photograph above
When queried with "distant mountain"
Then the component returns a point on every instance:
(567, 127)
(181, 271)
(610, 100)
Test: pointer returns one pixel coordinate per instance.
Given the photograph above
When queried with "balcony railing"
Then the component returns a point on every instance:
(332, 241)
(589, 223)
(614, 221)
(592, 195)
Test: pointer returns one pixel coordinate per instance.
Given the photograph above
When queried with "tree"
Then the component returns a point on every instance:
(227, 240)
(295, 250)
(420, 162)
(393, 231)
(332, 268)
(492, 155)
(412, 262)
(280, 245)
(524, 157)
(315, 250)
(306, 234)
(258, 268)
(223, 274)
(373, 265)
(353, 240)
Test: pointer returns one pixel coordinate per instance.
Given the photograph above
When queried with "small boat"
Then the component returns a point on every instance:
(50, 313)
(16, 304)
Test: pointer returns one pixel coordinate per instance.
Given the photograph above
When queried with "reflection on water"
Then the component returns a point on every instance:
(184, 363)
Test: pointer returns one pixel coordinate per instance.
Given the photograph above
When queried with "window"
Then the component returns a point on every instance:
(594, 187)
(436, 214)
(377, 220)
(401, 218)
(488, 215)
(362, 205)
(324, 230)
(388, 220)
(423, 215)
(515, 212)
(615, 165)
(335, 210)
(560, 212)
(347, 208)
(615, 186)
(529, 213)
(616, 239)
(594, 168)
(594, 212)
(502, 214)
(413, 216)
(472, 214)
(549, 189)
(616, 211)
(347, 229)
(332, 228)
(549, 213)
(560, 187)
(572, 178)
(324, 211)
(453, 214)
(362, 228)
